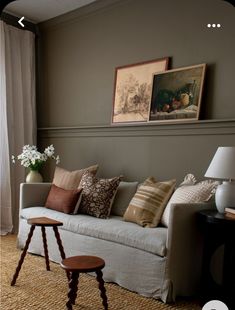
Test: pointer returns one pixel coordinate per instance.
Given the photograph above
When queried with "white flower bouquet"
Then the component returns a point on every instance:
(33, 159)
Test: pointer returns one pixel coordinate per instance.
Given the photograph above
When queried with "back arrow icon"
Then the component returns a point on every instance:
(20, 21)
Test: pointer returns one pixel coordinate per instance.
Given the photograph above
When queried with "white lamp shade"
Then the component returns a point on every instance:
(222, 165)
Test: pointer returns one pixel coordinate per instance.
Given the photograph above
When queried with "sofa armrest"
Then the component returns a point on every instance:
(33, 194)
(184, 247)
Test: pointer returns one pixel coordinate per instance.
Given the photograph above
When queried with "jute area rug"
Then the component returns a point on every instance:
(38, 289)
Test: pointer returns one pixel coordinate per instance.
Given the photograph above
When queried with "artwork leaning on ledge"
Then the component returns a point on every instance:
(176, 94)
(132, 91)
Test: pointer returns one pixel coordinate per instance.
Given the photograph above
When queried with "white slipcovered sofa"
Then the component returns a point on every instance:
(155, 262)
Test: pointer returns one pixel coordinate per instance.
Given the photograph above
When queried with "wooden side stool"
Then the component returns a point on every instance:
(83, 264)
(41, 222)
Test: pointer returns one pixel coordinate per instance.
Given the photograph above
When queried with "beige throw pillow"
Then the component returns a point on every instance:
(146, 207)
(190, 192)
(71, 179)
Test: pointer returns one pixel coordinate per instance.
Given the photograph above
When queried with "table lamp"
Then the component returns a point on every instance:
(222, 166)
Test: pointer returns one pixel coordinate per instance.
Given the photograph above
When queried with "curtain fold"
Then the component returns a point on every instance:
(18, 68)
(5, 186)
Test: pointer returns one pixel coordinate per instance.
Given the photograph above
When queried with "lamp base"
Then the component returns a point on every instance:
(225, 196)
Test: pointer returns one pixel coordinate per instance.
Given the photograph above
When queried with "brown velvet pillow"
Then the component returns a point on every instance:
(63, 200)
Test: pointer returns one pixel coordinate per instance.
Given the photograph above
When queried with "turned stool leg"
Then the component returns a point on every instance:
(23, 255)
(61, 249)
(45, 247)
(73, 288)
(99, 277)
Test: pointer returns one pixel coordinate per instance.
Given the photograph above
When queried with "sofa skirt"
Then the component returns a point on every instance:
(136, 270)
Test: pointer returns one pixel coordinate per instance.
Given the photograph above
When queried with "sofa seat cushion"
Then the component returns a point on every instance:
(114, 229)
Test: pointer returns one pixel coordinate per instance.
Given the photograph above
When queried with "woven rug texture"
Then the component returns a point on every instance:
(38, 289)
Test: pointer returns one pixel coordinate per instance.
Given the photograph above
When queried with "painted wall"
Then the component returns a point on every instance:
(79, 53)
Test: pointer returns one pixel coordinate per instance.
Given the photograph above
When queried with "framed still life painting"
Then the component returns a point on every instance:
(176, 94)
(132, 90)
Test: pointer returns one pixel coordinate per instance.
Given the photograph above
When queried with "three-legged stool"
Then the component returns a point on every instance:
(42, 222)
(83, 264)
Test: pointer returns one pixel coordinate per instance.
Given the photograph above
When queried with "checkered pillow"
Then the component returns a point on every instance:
(190, 192)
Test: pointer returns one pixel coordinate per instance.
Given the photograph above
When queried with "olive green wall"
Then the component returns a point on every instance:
(79, 53)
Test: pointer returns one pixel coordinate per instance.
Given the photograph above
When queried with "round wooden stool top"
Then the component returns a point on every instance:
(43, 221)
(82, 263)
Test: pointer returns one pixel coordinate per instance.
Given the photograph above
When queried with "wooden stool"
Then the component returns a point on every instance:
(42, 222)
(83, 264)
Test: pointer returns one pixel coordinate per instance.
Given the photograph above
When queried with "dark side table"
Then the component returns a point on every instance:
(218, 229)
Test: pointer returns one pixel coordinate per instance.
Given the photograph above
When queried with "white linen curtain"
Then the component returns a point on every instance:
(18, 116)
(5, 188)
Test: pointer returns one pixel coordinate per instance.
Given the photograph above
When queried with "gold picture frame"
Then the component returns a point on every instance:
(176, 94)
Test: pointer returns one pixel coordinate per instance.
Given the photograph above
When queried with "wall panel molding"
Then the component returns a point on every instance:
(204, 127)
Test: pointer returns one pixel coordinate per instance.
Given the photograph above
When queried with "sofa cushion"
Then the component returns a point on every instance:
(125, 192)
(114, 229)
(70, 179)
(190, 192)
(147, 206)
(63, 200)
(98, 195)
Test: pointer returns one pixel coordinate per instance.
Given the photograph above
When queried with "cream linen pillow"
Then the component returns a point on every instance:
(71, 179)
(189, 192)
(147, 205)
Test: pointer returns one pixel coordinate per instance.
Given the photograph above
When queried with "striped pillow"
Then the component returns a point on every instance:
(147, 206)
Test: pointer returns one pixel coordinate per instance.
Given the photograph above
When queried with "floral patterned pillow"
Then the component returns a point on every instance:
(98, 195)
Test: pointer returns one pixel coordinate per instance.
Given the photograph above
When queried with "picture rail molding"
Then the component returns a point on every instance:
(202, 127)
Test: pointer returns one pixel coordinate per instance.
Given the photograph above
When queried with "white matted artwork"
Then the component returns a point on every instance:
(132, 90)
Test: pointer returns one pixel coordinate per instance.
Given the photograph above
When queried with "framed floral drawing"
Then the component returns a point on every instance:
(176, 94)
(132, 90)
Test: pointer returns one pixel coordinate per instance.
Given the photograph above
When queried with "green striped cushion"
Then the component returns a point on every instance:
(147, 206)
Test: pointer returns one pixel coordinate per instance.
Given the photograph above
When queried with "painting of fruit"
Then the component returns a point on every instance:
(176, 94)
